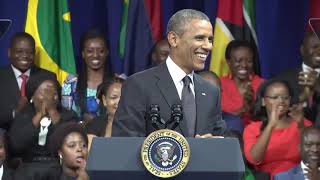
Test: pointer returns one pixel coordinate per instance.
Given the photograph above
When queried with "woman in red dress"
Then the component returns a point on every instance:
(271, 144)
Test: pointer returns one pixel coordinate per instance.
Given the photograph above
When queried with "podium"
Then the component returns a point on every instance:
(118, 158)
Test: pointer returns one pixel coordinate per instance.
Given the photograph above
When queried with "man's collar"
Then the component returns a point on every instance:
(17, 72)
(176, 72)
(307, 68)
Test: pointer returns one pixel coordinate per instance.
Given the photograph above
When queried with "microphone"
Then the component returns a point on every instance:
(154, 116)
(176, 115)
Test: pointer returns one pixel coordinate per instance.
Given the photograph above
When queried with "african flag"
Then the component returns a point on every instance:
(48, 21)
(235, 20)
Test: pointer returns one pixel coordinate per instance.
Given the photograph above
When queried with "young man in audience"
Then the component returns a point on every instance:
(14, 76)
(305, 79)
(159, 52)
(308, 169)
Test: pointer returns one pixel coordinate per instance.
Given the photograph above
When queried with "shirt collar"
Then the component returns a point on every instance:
(1, 171)
(177, 74)
(303, 167)
(307, 68)
(17, 72)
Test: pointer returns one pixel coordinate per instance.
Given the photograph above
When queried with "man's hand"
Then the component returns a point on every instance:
(209, 135)
(309, 81)
(308, 78)
(23, 101)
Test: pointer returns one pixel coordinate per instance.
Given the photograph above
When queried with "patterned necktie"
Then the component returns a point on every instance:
(189, 106)
(23, 84)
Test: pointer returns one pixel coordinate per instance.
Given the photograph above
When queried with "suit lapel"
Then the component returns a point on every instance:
(168, 90)
(12, 82)
(166, 85)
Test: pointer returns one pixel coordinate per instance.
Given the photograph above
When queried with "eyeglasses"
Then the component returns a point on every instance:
(285, 98)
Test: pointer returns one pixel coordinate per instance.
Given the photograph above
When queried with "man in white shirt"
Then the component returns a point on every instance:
(305, 80)
(309, 167)
(190, 36)
(21, 53)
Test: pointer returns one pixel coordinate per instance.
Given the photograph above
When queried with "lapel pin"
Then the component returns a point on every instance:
(203, 94)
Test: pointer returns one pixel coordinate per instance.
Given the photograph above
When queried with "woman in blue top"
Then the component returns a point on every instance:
(79, 92)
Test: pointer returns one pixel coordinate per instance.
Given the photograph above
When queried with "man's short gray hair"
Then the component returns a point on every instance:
(180, 19)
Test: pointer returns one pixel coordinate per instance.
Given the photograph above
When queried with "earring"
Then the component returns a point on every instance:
(31, 101)
(60, 159)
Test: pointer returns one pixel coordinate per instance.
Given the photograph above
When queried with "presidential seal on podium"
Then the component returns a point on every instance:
(165, 153)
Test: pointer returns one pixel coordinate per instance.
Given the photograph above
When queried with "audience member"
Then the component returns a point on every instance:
(305, 79)
(159, 52)
(239, 88)
(70, 142)
(34, 124)
(211, 77)
(250, 173)
(270, 144)
(189, 34)
(309, 147)
(108, 93)
(232, 121)
(21, 54)
(79, 93)
(5, 172)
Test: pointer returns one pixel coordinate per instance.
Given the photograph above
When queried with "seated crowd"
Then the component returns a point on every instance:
(276, 120)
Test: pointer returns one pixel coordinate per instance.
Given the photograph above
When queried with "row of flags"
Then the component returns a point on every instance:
(141, 26)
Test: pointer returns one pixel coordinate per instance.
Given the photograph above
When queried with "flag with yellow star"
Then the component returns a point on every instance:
(48, 21)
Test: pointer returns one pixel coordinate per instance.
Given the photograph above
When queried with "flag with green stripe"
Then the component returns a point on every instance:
(48, 21)
(249, 16)
(123, 28)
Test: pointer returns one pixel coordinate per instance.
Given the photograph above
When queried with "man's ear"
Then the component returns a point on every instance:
(82, 54)
(9, 52)
(302, 50)
(173, 39)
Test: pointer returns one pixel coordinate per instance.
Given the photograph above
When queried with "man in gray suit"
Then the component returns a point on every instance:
(308, 169)
(190, 36)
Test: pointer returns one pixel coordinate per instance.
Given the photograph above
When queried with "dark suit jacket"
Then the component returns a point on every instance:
(155, 86)
(7, 173)
(10, 93)
(291, 76)
(294, 173)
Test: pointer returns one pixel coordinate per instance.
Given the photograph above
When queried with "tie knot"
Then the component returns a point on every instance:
(24, 76)
(186, 80)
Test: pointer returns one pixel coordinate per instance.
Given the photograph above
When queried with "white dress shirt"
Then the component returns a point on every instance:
(306, 68)
(17, 74)
(1, 172)
(177, 74)
(303, 167)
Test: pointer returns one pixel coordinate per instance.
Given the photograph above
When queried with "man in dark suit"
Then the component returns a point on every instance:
(305, 80)
(13, 77)
(308, 169)
(189, 33)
